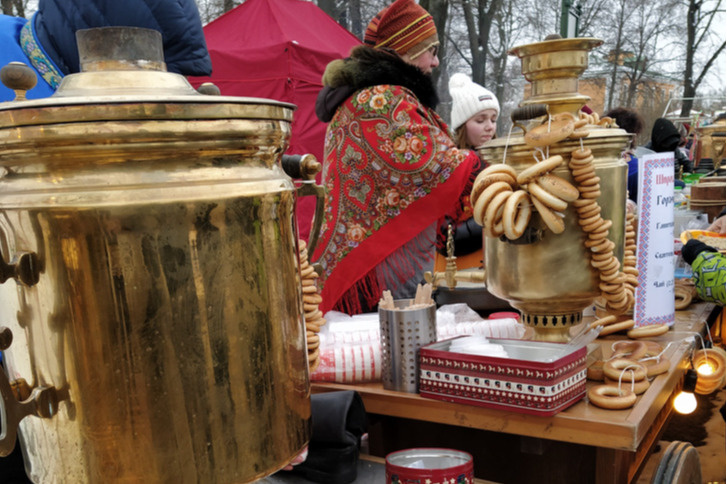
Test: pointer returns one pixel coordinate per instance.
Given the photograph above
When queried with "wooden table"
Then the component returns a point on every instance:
(581, 444)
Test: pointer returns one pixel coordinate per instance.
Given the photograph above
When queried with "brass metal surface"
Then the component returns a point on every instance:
(167, 313)
(549, 277)
(553, 68)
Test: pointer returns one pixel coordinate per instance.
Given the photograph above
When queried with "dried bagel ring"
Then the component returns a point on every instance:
(616, 327)
(549, 133)
(632, 280)
(580, 123)
(610, 287)
(590, 221)
(490, 175)
(604, 321)
(601, 256)
(653, 348)
(586, 178)
(498, 229)
(579, 133)
(588, 188)
(633, 350)
(612, 276)
(589, 210)
(583, 171)
(582, 202)
(493, 214)
(648, 331)
(499, 168)
(541, 168)
(610, 397)
(624, 369)
(605, 121)
(682, 298)
(655, 366)
(480, 186)
(580, 162)
(516, 214)
(546, 198)
(559, 187)
(481, 203)
(581, 153)
(591, 181)
(552, 220)
(638, 387)
(592, 195)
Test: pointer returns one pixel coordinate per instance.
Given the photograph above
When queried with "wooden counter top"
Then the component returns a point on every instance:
(582, 423)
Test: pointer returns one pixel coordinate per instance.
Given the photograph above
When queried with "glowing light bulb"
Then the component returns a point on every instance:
(705, 369)
(685, 403)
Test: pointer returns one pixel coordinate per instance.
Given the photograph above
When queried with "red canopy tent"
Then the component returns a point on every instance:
(278, 49)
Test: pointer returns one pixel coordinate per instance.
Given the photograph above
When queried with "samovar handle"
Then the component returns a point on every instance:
(42, 402)
(305, 168)
(526, 113)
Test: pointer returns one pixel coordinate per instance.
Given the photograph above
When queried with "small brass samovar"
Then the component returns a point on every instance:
(549, 277)
(154, 328)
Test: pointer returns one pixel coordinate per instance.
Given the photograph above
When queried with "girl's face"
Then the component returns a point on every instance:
(481, 127)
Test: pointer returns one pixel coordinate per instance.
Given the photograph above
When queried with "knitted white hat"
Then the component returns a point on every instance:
(468, 99)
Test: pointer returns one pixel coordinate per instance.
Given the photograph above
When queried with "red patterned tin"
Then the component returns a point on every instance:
(538, 378)
(429, 466)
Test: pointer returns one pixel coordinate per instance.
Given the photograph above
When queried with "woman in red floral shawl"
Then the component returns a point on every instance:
(391, 169)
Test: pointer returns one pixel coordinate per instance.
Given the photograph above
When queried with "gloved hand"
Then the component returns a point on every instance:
(467, 237)
(693, 248)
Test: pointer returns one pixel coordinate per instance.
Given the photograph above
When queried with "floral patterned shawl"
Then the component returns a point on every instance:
(390, 170)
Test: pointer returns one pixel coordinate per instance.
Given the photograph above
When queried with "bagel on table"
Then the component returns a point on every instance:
(611, 397)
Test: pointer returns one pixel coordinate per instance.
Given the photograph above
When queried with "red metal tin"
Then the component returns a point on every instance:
(539, 378)
(429, 466)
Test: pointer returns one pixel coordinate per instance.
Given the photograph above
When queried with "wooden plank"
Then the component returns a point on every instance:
(612, 466)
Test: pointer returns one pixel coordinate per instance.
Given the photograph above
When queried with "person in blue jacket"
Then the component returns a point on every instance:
(47, 42)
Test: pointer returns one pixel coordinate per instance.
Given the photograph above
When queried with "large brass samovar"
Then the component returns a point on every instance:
(549, 277)
(154, 330)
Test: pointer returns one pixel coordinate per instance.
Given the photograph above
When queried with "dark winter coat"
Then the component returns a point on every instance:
(185, 50)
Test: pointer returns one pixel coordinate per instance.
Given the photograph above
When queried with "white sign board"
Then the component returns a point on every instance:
(655, 251)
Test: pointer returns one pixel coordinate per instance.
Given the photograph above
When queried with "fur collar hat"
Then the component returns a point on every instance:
(368, 67)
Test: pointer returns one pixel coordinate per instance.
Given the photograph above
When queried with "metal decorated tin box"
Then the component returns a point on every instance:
(536, 377)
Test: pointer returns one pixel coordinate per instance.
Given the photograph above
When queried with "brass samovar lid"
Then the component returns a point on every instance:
(553, 67)
(123, 77)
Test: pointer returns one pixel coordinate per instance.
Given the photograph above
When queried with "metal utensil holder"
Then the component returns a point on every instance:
(403, 332)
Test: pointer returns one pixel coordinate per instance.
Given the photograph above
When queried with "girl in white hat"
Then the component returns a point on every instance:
(474, 112)
(473, 120)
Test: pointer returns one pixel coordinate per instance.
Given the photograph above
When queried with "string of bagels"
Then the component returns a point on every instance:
(503, 202)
